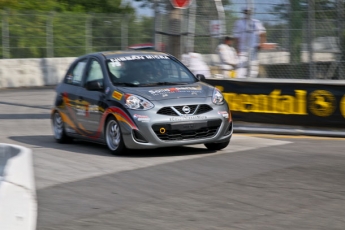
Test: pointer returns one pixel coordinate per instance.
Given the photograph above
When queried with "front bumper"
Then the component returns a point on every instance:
(157, 130)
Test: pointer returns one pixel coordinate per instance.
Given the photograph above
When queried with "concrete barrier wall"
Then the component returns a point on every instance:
(32, 72)
(49, 71)
(18, 204)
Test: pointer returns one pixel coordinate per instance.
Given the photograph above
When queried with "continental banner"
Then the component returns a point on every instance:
(304, 104)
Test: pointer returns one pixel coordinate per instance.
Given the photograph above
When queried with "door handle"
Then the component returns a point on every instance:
(81, 98)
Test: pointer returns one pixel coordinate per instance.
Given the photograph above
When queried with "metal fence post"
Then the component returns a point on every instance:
(175, 20)
(5, 36)
(124, 32)
(341, 36)
(250, 49)
(50, 35)
(88, 33)
(222, 19)
(310, 32)
(191, 28)
(155, 24)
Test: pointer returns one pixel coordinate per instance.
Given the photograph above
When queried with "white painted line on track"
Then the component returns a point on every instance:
(53, 168)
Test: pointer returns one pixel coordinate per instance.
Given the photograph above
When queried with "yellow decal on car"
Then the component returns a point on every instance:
(117, 95)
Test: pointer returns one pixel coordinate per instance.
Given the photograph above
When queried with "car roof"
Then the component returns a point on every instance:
(142, 46)
(115, 54)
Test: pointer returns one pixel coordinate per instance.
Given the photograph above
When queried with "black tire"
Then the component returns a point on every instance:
(59, 129)
(217, 146)
(113, 137)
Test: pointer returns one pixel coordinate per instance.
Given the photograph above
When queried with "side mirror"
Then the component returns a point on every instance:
(201, 77)
(96, 85)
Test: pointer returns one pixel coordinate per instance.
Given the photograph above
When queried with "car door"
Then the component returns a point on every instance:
(69, 93)
(92, 99)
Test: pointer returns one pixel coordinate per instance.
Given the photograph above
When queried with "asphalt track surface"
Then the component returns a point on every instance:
(258, 182)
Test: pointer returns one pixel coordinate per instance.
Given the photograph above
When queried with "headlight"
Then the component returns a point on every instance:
(137, 102)
(217, 97)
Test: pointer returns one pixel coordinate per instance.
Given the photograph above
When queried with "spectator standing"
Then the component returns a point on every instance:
(250, 35)
(196, 64)
(228, 57)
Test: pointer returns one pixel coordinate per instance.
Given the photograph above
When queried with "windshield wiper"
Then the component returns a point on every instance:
(127, 84)
(151, 84)
(172, 83)
(165, 83)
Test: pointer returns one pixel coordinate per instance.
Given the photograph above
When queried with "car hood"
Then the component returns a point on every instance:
(166, 92)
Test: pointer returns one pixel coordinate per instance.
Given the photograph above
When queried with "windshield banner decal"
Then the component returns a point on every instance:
(138, 57)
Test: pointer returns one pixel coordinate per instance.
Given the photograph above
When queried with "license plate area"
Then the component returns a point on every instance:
(182, 126)
(187, 130)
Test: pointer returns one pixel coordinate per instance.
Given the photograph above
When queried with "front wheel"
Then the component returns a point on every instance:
(217, 146)
(113, 136)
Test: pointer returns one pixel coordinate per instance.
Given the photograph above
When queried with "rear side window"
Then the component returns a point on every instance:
(75, 74)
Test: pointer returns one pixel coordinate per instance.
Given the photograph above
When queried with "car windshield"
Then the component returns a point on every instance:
(148, 70)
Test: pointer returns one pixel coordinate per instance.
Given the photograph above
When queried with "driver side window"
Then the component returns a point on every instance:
(95, 72)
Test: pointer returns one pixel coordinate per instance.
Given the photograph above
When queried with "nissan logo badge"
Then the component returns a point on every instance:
(186, 109)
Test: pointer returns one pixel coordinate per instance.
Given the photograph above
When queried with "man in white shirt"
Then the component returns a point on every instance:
(228, 57)
(249, 35)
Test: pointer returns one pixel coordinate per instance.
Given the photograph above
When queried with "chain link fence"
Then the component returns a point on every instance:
(305, 39)
(38, 35)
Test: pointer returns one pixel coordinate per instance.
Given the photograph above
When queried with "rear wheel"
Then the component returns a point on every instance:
(59, 129)
(113, 136)
(217, 146)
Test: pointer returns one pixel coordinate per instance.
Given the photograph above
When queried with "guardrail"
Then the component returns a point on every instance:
(18, 204)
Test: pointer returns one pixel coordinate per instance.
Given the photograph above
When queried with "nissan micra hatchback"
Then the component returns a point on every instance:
(139, 100)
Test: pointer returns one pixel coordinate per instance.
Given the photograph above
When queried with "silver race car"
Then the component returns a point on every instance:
(139, 100)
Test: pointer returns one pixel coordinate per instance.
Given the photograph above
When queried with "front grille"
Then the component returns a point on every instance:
(203, 109)
(167, 111)
(194, 109)
(175, 135)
